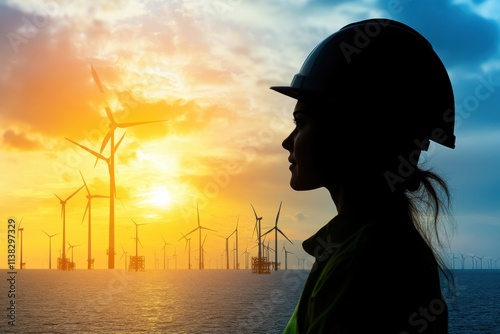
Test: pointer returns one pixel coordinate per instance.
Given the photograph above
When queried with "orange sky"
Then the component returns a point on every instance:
(219, 144)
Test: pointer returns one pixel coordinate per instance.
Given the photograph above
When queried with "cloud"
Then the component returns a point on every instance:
(19, 141)
(459, 35)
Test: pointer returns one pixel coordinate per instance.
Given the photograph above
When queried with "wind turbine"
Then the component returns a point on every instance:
(286, 256)
(110, 137)
(203, 252)
(21, 229)
(124, 253)
(175, 256)
(188, 244)
(112, 192)
(453, 258)
(480, 261)
(276, 230)
(235, 256)
(72, 249)
(236, 230)
(246, 257)
(164, 249)
(137, 242)
(50, 247)
(199, 228)
(472, 259)
(258, 229)
(227, 248)
(462, 260)
(89, 208)
(63, 215)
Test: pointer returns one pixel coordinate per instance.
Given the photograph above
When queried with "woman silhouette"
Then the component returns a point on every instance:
(370, 98)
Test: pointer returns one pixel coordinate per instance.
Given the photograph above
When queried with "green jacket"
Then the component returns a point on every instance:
(369, 277)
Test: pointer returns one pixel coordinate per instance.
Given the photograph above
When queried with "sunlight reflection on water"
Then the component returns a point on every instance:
(155, 301)
(194, 301)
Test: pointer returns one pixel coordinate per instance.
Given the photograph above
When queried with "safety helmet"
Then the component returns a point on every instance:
(383, 72)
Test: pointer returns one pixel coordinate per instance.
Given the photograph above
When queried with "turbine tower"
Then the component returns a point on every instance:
(188, 245)
(21, 229)
(276, 230)
(286, 256)
(112, 192)
(72, 249)
(64, 265)
(89, 208)
(227, 248)
(137, 242)
(246, 253)
(110, 137)
(50, 247)
(164, 249)
(236, 249)
(258, 229)
(124, 253)
(199, 228)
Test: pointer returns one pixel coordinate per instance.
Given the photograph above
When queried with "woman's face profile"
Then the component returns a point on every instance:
(310, 155)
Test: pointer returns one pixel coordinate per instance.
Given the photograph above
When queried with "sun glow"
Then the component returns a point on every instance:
(159, 196)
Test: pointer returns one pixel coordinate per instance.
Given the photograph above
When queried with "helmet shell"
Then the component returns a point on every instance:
(384, 78)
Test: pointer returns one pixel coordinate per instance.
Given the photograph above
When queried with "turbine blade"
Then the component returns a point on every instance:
(254, 230)
(198, 213)
(110, 115)
(119, 142)
(105, 140)
(96, 160)
(59, 198)
(98, 155)
(86, 208)
(84, 183)
(192, 231)
(255, 213)
(283, 234)
(96, 79)
(99, 196)
(183, 237)
(129, 124)
(268, 231)
(46, 233)
(73, 194)
(278, 215)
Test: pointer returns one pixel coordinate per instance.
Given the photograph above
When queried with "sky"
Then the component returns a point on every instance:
(202, 71)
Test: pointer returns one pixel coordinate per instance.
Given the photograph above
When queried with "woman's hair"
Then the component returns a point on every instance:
(429, 207)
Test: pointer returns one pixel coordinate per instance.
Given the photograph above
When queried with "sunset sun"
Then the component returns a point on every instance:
(159, 197)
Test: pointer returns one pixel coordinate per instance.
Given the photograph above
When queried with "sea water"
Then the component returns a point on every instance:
(194, 301)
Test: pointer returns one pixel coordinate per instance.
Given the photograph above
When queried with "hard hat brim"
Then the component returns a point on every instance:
(288, 91)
